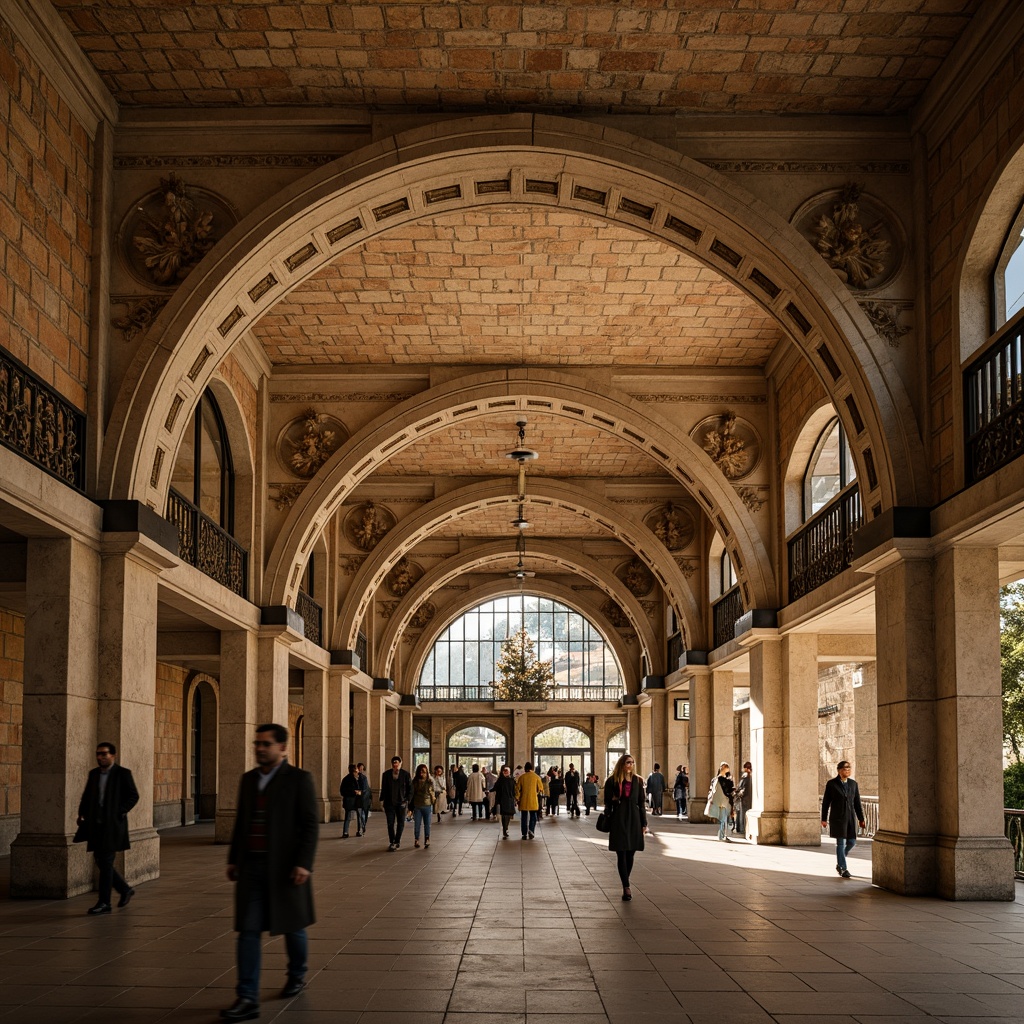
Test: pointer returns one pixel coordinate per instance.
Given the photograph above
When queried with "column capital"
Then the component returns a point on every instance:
(901, 532)
(756, 625)
(278, 621)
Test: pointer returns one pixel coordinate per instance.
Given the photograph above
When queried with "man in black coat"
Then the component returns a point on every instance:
(109, 795)
(572, 791)
(841, 812)
(395, 794)
(271, 858)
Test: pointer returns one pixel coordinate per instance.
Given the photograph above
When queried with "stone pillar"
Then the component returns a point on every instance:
(643, 751)
(130, 567)
(369, 735)
(59, 717)
(338, 739)
(974, 858)
(764, 822)
(599, 733)
(392, 737)
(405, 725)
(520, 736)
(315, 745)
(238, 709)
(272, 688)
(701, 752)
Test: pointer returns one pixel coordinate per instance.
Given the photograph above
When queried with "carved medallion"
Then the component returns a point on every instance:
(855, 234)
(422, 615)
(403, 577)
(286, 496)
(673, 525)
(168, 231)
(139, 316)
(366, 525)
(732, 444)
(308, 442)
(639, 580)
(615, 615)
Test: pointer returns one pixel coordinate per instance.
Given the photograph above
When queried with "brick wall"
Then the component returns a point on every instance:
(46, 159)
(12, 664)
(243, 389)
(169, 744)
(960, 168)
(849, 731)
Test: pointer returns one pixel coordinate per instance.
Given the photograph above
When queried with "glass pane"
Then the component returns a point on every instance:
(1014, 282)
(825, 481)
(212, 467)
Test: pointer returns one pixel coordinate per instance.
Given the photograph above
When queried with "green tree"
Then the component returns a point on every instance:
(1011, 651)
(520, 675)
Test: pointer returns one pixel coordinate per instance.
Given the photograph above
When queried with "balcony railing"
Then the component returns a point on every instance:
(725, 613)
(202, 543)
(312, 615)
(994, 406)
(40, 425)
(824, 547)
(487, 691)
(1015, 833)
(869, 805)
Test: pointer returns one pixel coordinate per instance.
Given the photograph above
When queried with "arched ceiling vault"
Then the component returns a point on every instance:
(628, 662)
(543, 556)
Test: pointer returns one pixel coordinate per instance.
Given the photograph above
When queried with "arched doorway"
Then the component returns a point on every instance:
(477, 744)
(200, 801)
(558, 746)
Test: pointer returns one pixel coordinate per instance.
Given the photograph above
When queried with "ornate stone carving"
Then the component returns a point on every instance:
(639, 580)
(732, 444)
(386, 609)
(752, 499)
(650, 607)
(139, 316)
(663, 399)
(169, 231)
(687, 566)
(809, 166)
(308, 442)
(884, 317)
(854, 251)
(367, 524)
(158, 161)
(287, 495)
(422, 616)
(615, 615)
(350, 564)
(673, 525)
(403, 577)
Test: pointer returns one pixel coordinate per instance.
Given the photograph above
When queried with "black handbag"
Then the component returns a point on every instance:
(604, 823)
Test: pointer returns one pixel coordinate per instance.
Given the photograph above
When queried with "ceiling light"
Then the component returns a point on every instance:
(522, 453)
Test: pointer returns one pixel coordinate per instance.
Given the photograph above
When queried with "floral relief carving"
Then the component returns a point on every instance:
(615, 615)
(366, 525)
(854, 251)
(673, 525)
(751, 497)
(687, 567)
(885, 317)
(350, 564)
(308, 442)
(639, 580)
(731, 444)
(403, 577)
(139, 316)
(286, 496)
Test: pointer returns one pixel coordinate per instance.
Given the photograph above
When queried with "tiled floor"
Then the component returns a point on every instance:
(480, 931)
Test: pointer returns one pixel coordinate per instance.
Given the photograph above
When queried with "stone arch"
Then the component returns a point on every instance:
(803, 448)
(558, 395)
(206, 799)
(542, 552)
(531, 159)
(502, 588)
(466, 500)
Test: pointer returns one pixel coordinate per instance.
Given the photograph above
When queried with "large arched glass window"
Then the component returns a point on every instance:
(830, 470)
(203, 471)
(563, 745)
(420, 748)
(463, 662)
(1009, 276)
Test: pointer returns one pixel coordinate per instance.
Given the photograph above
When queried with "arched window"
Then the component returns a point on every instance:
(562, 745)
(830, 470)
(618, 744)
(727, 573)
(420, 748)
(1008, 280)
(203, 472)
(477, 744)
(462, 663)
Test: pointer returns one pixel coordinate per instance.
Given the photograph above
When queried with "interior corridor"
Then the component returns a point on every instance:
(475, 930)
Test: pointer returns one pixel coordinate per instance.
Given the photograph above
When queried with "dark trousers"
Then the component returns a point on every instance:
(625, 865)
(528, 819)
(396, 822)
(572, 803)
(255, 920)
(110, 877)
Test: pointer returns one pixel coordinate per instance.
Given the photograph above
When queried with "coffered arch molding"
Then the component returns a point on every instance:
(543, 160)
(629, 663)
(543, 552)
(467, 500)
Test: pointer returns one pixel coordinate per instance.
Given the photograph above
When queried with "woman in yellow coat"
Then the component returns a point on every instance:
(529, 790)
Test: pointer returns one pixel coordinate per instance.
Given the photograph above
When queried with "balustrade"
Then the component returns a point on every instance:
(725, 613)
(312, 616)
(202, 543)
(823, 547)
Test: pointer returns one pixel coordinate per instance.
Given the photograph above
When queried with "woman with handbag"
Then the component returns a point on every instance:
(719, 803)
(625, 815)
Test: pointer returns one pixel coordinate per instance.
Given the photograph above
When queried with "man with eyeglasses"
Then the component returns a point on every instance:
(271, 860)
(109, 795)
(841, 812)
(395, 796)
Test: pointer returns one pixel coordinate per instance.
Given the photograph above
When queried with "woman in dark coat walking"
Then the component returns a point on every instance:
(625, 806)
(505, 798)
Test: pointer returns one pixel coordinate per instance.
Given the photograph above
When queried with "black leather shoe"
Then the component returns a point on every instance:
(292, 988)
(100, 908)
(126, 898)
(243, 1009)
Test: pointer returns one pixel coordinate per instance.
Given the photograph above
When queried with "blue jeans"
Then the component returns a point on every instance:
(421, 815)
(528, 817)
(843, 847)
(723, 821)
(478, 809)
(358, 814)
(255, 921)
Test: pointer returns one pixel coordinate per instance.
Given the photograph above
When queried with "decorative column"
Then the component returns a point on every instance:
(315, 728)
(238, 710)
(59, 717)
(764, 822)
(280, 629)
(338, 738)
(368, 734)
(974, 857)
(701, 752)
(599, 727)
(643, 751)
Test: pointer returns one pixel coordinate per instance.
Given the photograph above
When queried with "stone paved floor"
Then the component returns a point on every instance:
(480, 931)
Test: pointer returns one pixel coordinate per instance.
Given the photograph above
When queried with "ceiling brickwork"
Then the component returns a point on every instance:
(538, 287)
(565, 56)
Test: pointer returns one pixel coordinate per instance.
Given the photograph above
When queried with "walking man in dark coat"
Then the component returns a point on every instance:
(109, 795)
(395, 794)
(271, 859)
(656, 789)
(572, 791)
(841, 812)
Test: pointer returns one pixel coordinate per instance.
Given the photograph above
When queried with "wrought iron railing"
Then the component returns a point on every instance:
(312, 615)
(824, 546)
(675, 651)
(40, 425)
(725, 613)
(488, 691)
(869, 805)
(1015, 833)
(994, 406)
(202, 543)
